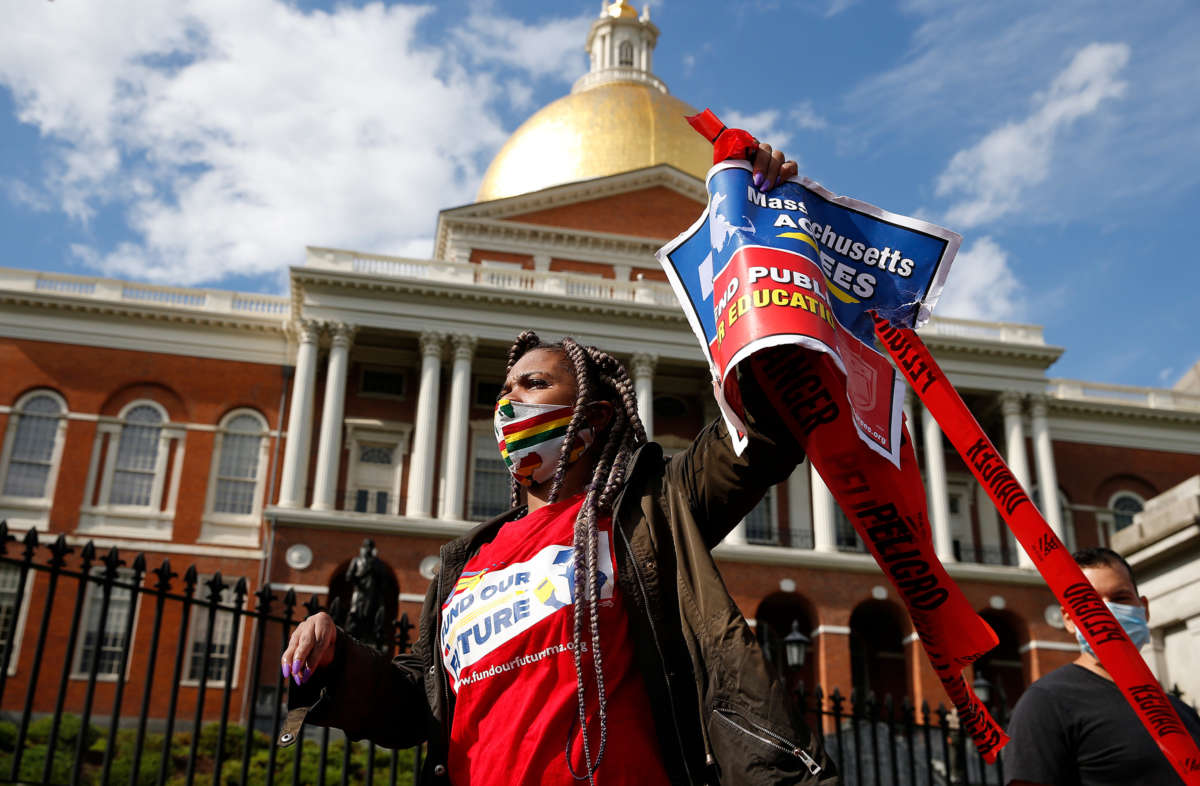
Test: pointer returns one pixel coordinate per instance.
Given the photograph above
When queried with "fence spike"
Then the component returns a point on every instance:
(59, 551)
(4, 536)
(89, 552)
(289, 602)
(240, 589)
(265, 598)
(189, 580)
(112, 561)
(335, 611)
(139, 563)
(313, 605)
(31, 541)
(215, 587)
(165, 574)
(889, 707)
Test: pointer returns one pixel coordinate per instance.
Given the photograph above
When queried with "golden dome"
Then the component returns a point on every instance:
(614, 127)
(622, 8)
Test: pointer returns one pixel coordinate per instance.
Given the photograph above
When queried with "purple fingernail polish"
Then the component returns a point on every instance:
(296, 678)
(758, 179)
(284, 668)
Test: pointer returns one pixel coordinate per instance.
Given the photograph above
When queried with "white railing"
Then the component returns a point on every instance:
(1153, 398)
(111, 291)
(1003, 332)
(562, 284)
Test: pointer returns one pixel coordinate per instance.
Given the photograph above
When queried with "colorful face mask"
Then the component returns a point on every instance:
(1131, 618)
(530, 437)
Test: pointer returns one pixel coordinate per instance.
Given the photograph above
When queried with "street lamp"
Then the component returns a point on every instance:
(983, 688)
(795, 646)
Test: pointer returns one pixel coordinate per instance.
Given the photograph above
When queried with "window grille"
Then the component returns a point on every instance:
(109, 633)
(375, 454)
(219, 645)
(383, 383)
(10, 576)
(760, 522)
(625, 54)
(1124, 506)
(491, 483)
(237, 470)
(137, 457)
(32, 452)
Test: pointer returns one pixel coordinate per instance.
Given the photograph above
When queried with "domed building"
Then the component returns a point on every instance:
(619, 117)
(265, 437)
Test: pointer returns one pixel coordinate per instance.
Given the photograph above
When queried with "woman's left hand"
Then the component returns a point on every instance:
(770, 168)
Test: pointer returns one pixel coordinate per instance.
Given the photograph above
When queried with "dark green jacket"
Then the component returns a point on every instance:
(721, 714)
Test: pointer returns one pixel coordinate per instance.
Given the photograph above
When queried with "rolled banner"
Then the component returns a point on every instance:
(783, 285)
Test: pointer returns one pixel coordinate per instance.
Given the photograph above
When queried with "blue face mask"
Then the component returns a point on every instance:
(1132, 619)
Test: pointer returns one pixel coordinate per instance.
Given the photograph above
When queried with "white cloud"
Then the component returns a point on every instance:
(982, 285)
(230, 133)
(775, 126)
(838, 6)
(548, 48)
(989, 178)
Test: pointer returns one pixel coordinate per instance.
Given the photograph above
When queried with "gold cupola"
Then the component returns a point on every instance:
(617, 118)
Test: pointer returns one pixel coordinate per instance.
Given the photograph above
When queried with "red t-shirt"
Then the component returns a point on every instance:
(506, 633)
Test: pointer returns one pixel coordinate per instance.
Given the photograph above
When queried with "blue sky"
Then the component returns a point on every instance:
(206, 143)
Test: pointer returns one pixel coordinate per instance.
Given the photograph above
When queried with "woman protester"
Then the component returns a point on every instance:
(586, 634)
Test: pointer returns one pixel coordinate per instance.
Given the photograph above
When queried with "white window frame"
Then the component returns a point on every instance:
(772, 500)
(1106, 519)
(376, 432)
(202, 609)
(22, 616)
(94, 591)
(479, 430)
(31, 512)
(236, 529)
(362, 372)
(151, 522)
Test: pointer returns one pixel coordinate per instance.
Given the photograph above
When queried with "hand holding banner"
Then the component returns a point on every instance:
(798, 271)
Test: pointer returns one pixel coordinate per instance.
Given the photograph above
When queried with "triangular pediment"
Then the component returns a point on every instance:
(656, 202)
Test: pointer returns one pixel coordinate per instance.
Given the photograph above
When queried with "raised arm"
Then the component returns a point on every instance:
(723, 487)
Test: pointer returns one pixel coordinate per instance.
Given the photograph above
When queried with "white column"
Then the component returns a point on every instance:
(458, 414)
(329, 449)
(935, 486)
(1017, 458)
(799, 500)
(294, 475)
(642, 368)
(824, 521)
(908, 412)
(1014, 437)
(420, 473)
(1043, 456)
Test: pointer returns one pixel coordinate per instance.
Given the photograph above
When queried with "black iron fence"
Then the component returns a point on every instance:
(112, 672)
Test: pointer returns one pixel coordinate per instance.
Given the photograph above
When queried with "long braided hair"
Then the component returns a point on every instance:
(598, 377)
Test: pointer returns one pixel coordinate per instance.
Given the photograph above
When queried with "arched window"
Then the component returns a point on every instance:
(133, 478)
(1124, 504)
(236, 480)
(137, 460)
(34, 442)
(239, 459)
(625, 54)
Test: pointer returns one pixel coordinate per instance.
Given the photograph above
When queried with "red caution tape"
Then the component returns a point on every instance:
(887, 507)
(1109, 641)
